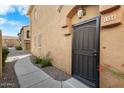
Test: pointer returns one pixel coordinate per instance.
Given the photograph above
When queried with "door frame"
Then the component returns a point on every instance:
(97, 19)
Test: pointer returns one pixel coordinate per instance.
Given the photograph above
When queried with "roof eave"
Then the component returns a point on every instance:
(30, 9)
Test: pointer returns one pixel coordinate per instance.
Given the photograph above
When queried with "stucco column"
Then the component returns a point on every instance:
(0, 54)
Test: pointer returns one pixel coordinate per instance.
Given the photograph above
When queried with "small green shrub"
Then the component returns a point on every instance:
(18, 48)
(38, 60)
(44, 61)
(5, 52)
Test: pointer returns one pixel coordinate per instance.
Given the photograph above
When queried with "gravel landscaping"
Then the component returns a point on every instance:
(52, 71)
(9, 79)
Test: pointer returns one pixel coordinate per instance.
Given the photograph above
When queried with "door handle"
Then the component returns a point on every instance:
(95, 53)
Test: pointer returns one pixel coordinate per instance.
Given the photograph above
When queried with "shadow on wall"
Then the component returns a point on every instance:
(112, 77)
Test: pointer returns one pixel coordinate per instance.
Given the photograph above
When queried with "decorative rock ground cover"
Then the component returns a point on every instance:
(52, 71)
(9, 79)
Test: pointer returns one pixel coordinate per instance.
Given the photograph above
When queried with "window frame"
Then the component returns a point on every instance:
(28, 34)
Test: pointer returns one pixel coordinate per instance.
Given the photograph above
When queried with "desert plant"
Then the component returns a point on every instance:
(44, 61)
(18, 48)
(38, 60)
(5, 52)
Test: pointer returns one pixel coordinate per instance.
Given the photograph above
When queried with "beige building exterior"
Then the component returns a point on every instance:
(53, 30)
(24, 37)
(10, 41)
(0, 54)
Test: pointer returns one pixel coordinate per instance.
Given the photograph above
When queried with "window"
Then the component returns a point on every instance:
(28, 32)
(37, 41)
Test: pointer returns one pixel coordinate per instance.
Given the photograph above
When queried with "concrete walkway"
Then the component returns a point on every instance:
(29, 76)
(16, 55)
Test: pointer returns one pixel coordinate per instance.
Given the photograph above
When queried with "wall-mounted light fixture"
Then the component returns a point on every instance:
(81, 12)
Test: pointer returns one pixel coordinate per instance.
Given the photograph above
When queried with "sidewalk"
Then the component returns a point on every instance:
(16, 55)
(29, 76)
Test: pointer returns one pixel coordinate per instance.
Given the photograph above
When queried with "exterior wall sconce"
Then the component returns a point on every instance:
(81, 12)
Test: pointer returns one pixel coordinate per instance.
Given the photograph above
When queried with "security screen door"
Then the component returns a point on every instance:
(85, 51)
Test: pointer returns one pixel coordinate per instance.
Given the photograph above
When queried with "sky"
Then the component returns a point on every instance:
(12, 18)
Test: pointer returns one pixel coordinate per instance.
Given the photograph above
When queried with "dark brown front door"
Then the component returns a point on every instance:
(28, 46)
(85, 51)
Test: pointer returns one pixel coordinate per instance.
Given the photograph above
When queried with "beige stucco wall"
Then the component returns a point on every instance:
(49, 24)
(91, 11)
(0, 54)
(10, 42)
(23, 37)
(112, 52)
(52, 36)
(25, 32)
